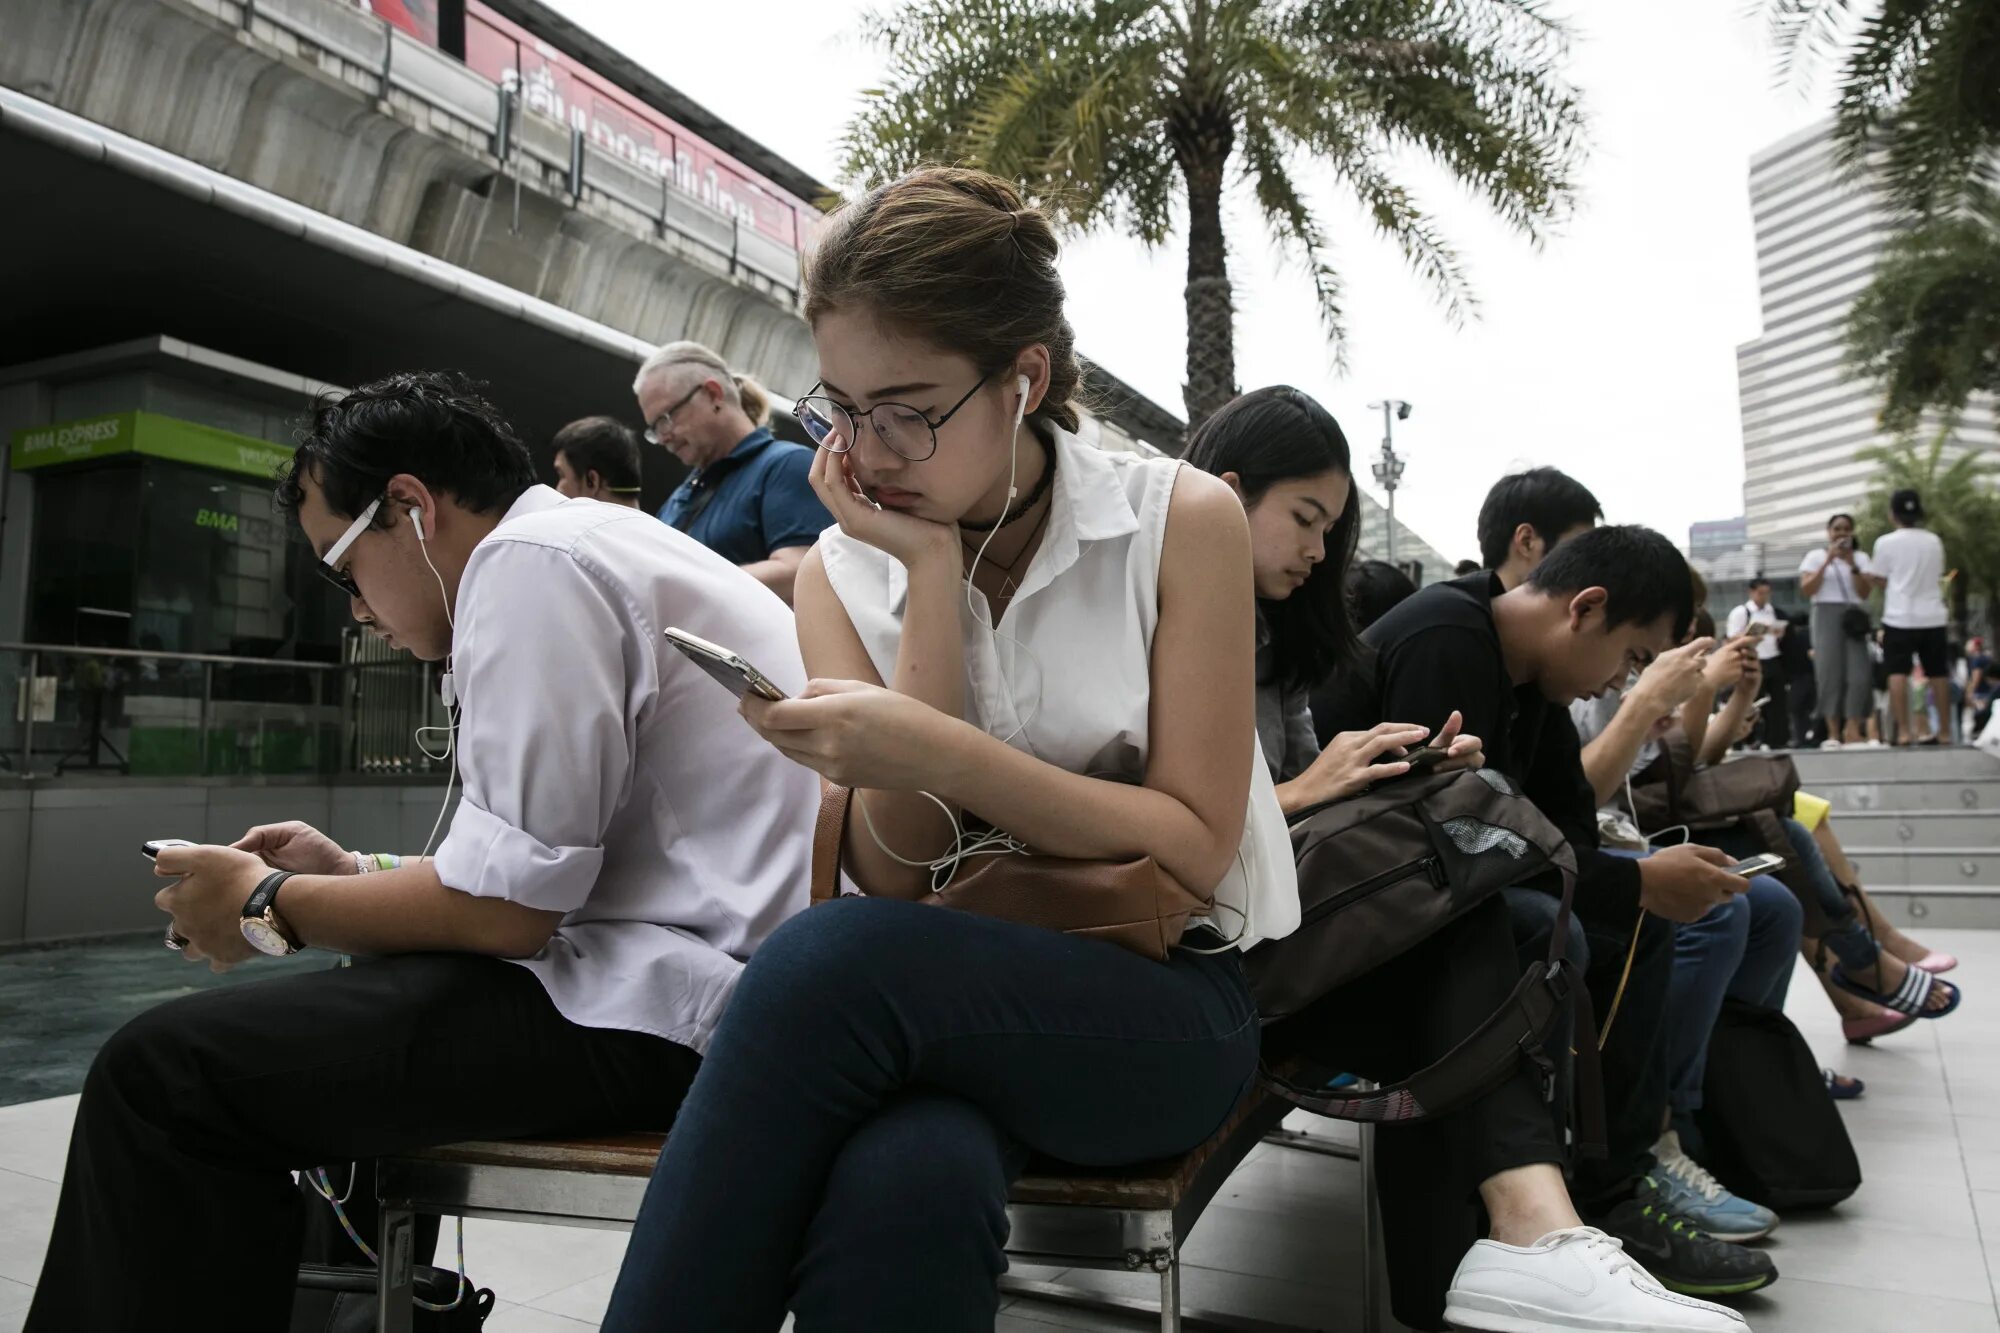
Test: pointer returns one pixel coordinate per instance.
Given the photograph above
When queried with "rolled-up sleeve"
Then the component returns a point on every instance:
(548, 660)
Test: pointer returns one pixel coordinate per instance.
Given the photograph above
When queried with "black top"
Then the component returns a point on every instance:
(1439, 651)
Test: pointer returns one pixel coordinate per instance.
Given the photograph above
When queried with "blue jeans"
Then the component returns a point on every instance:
(1744, 949)
(880, 1076)
(1844, 932)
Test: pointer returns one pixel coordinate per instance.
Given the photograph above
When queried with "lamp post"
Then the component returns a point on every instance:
(1389, 468)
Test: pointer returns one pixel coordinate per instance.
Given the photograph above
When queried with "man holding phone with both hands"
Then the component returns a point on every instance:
(622, 844)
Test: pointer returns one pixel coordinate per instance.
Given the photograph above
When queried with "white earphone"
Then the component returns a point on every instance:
(417, 521)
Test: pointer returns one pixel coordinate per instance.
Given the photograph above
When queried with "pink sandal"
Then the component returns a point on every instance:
(1861, 1031)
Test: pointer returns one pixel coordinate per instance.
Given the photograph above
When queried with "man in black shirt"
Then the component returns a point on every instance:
(1603, 603)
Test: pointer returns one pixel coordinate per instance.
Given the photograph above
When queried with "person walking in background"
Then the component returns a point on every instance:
(597, 458)
(1758, 617)
(1909, 562)
(1838, 580)
(749, 495)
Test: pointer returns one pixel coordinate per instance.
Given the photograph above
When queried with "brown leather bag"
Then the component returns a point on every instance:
(1134, 904)
(1673, 791)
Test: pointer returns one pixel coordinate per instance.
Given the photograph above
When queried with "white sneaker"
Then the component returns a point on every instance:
(1574, 1279)
(1829, 744)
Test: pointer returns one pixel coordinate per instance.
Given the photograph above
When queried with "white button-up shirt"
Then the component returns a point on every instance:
(1068, 678)
(608, 778)
(1750, 614)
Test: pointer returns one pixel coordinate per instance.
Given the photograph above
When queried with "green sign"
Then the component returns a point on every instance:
(151, 434)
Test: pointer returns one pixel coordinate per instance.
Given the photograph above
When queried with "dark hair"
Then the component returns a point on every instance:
(1837, 517)
(431, 424)
(1279, 434)
(1759, 581)
(1465, 567)
(1645, 576)
(1373, 589)
(1704, 624)
(1548, 501)
(604, 445)
(956, 256)
(1907, 506)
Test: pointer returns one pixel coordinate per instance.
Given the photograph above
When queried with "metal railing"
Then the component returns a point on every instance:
(146, 713)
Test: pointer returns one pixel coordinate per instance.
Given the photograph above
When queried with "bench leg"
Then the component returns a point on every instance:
(1170, 1296)
(394, 1293)
(1371, 1235)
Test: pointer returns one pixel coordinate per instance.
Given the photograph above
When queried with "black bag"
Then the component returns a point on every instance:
(1383, 871)
(1770, 1130)
(1855, 622)
(341, 1299)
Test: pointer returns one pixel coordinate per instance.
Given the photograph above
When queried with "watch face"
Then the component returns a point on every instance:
(264, 937)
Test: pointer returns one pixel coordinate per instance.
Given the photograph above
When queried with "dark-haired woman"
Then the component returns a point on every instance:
(1540, 1267)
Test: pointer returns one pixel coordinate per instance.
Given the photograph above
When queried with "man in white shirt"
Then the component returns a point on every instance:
(622, 844)
(1774, 730)
(1910, 561)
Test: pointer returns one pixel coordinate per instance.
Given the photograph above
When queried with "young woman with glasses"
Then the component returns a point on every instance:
(1009, 629)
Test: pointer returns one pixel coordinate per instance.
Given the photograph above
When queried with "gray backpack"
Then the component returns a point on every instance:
(1383, 871)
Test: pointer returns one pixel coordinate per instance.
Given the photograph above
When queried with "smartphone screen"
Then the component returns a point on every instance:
(1757, 865)
(1430, 756)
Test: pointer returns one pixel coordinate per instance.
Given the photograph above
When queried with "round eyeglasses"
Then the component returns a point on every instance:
(903, 428)
(666, 418)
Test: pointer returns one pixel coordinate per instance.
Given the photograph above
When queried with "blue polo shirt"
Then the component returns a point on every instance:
(763, 500)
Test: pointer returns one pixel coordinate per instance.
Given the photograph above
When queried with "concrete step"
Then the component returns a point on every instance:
(1919, 829)
(1917, 907)
(1912, 794)
(1932, 763)
(1959, 867)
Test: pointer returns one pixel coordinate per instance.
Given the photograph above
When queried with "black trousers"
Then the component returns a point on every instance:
(1634, 1057)
(1776, 728)
(178, 1210)
(1390, 1023)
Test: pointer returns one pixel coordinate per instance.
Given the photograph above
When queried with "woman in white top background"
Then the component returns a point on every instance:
(884, 1066)
(1838, 581)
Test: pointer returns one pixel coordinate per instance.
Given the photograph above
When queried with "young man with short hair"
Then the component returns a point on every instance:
(1511, 661)
(1529, 514)
(597, 458)
(1774, 726)
(1909, 562)
(622, 844)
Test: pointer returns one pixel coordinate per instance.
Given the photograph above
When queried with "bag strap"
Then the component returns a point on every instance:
(828, 833)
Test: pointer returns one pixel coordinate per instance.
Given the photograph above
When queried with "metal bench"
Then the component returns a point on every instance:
(1131, 1219)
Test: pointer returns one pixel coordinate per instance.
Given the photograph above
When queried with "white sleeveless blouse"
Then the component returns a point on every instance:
(1069, 678)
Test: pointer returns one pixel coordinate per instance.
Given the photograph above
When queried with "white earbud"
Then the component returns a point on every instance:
(1021, 407)
(417, 521)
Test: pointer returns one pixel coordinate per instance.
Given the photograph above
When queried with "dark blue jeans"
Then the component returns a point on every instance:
(1844, 934)
(880, 1076)
(1745, 950)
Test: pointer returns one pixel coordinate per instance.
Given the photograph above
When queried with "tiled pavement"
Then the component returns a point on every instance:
(1918, 1247)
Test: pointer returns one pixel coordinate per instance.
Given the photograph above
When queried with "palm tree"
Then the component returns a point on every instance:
(1961, 507)
(1928, 327)
(1920, 80)
(1124, 112)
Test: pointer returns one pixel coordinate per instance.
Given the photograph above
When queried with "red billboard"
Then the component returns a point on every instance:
(554, 85)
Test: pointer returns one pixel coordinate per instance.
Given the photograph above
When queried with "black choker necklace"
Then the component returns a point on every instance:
(1028, 501)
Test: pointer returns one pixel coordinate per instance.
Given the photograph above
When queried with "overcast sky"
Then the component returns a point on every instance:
(1609, 353)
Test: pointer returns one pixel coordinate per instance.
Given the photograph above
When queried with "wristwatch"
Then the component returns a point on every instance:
(260, 918)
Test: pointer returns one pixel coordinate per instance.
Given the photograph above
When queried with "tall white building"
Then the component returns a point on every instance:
(1805, 411)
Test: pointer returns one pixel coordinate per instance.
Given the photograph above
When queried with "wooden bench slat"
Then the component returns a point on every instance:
(1151, 1185)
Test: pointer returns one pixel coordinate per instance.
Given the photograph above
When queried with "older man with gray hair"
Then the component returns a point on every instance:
(748, 495)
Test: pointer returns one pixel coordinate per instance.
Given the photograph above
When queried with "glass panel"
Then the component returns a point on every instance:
(389, 696)
(271, 720)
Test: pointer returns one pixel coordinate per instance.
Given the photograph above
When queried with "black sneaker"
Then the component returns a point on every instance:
(1680, 1257)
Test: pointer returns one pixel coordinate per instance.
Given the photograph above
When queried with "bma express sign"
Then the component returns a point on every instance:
(78, 439)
